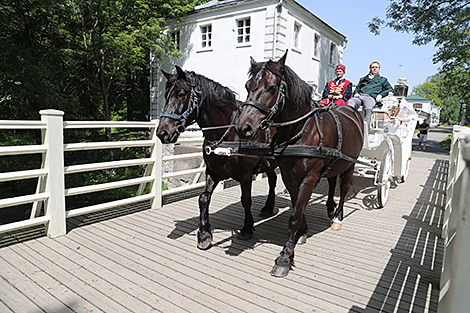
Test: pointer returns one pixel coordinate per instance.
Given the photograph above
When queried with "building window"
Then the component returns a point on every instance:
(206, 36)
(175, 37)
(417, 105)
(296, 35)
(332, 53)
(316, 46)
(243, 26)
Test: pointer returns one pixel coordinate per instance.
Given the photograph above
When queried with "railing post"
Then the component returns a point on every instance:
(53, 139)
(156, 155)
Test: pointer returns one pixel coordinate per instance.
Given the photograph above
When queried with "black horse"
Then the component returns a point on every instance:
(192, 97)
(312, 143)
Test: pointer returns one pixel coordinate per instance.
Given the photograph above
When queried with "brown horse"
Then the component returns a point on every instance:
(312, 143)
(192, 97)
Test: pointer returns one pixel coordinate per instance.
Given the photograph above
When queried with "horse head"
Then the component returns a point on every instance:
(181, 106)
(266, 89)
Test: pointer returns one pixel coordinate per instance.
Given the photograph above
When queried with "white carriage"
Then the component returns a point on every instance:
(387, 144)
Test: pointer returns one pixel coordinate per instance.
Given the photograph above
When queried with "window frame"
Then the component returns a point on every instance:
(316, 46)
(296, 36)
(331, 57)
(244, 33)
(206, 36)
(176, 39)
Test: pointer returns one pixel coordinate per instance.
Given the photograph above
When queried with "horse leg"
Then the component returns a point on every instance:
(330, 203)
(297, 225)
(246, 233)
(204, 233)
(344, 189)
(268, 209)
(301, 237)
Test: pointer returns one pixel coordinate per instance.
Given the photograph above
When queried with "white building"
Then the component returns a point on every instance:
(218, 38)
(426, 109)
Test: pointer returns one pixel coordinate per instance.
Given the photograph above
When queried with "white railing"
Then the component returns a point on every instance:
(456, 228)
(51, 191)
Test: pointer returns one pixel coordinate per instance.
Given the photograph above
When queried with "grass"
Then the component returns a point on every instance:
(445, 144)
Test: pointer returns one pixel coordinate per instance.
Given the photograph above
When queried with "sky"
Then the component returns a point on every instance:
(397, 55)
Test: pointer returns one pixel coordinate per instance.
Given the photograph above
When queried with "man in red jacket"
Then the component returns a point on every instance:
(338, 90)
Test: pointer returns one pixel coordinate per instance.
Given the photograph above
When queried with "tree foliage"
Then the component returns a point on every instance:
(447, 25)
(89, 58)
(445, 94)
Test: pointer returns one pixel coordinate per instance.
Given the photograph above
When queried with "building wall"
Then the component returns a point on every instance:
(272, 33)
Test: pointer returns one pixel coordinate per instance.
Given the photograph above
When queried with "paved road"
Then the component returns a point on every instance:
(433, 149)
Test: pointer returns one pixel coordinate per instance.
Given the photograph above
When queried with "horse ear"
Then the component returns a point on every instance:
(282, 60)
(253, 62)
(166, 74)
(181, 73)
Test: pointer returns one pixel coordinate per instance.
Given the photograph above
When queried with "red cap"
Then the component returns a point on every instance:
(341, 67)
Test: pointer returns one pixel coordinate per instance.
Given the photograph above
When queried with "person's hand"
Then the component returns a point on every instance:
(379, 98)
(357, 95)
(330, 96)
(335, 97)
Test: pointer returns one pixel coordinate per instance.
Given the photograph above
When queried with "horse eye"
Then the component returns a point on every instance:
(271, 89)
(181, 95)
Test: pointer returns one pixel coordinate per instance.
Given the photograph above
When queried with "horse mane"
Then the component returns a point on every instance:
(299, 91)
(212, 91)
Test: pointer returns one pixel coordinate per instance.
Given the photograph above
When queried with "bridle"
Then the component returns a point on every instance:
(192, 106)
(280, 101)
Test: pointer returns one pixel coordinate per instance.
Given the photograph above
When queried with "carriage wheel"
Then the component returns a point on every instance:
(384, 178)
(407, 170)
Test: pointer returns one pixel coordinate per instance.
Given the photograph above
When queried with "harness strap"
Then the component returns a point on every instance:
(259, 106)
(319, 131)
(338, 125)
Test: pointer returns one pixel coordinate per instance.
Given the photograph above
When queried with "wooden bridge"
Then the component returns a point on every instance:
(137, 259)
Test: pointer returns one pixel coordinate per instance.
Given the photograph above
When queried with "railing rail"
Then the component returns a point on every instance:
(456, 228)
(51, 191)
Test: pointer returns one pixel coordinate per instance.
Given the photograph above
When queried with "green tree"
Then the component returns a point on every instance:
(447, 25)
(89, 58)
(32, 75)
(444, 93)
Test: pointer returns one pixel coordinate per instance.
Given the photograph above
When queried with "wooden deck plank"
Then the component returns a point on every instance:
(355, 277)
(342, 277)
(3, 307)
(27, 287)
(383, 260)
(174, 285)
(10, 296)
(170, 258)
(37, 277)
(69, 277)
(99, 276)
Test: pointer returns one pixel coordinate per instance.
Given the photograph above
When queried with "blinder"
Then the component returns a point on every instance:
(281, 98)
(193, 105)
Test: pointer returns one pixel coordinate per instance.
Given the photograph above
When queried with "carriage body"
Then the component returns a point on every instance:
(388, 145)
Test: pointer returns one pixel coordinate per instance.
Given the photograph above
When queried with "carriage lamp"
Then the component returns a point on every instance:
(463, 111)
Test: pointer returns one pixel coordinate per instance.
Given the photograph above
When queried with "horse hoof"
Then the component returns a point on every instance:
(266, 212)
(336, 226)
(280, 270)
(204, 240)
(331, 214)
(245, 236)
(302, 240)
